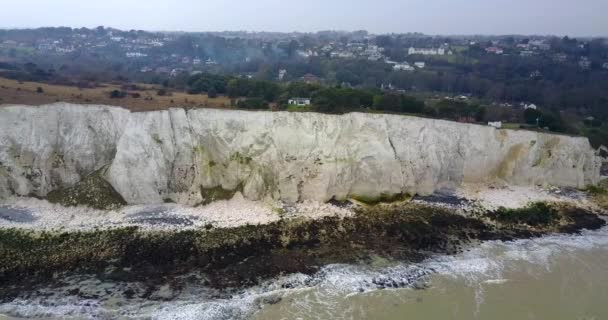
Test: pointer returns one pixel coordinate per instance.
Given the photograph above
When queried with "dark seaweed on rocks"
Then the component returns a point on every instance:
(245, 255)
(535, 214)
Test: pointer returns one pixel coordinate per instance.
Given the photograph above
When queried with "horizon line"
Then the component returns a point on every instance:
(320, 31)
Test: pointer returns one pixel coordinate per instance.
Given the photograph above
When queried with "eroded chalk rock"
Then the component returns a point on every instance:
(179, 155)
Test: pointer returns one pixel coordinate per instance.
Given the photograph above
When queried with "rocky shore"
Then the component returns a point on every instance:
(270, 240)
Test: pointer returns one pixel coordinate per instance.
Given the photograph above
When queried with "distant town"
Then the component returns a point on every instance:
(488, 79)
(175, 53)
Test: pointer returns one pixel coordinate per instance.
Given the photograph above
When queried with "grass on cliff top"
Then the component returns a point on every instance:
(15, 92)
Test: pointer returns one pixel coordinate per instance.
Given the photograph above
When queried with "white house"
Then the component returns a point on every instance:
(135, 55)
(375, 56)
(584, 63)
(420, 65)
(299, 101)
(404, 66)
(530, 106)
(175, 72)
(494, 50)
(426, 52)
(282, 74)
(495, 124)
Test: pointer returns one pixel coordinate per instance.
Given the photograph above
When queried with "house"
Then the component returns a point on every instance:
(404, 66)
(526, 53)
(299, 101)
(9, 43)
(67, 49)
(426, 52)
(540, 44)
(605, 65)
(375, 56)
(175, 72)
(536, 74)
(560, 57)
(310, 78)
(303, 53)
(282, 74)
(494, 50)
(196, 61)
(420, 65)
(584, 63)
(135, 55)
(389, 87)
(495, 124)
(530, 106)
(161, 70)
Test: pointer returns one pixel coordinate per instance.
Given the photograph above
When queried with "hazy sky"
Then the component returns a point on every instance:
(560, 17)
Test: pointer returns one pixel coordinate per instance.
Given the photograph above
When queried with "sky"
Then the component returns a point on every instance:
(445, 17)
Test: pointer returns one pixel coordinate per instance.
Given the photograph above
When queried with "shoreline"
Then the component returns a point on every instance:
(233, 253)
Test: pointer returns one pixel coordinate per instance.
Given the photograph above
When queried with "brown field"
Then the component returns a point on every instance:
(14, 92)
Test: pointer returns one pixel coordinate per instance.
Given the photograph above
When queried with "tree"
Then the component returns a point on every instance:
(387, 102)
(39, 90)
(117, 94)
(553, 121)
(253, 103)
(531, 116)
(212, 93)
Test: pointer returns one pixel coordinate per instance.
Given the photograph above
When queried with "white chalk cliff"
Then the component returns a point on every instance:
(176, 154)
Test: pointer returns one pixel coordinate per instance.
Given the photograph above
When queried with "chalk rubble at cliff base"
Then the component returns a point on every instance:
(193, 157)
(245, 254)
(39, 214)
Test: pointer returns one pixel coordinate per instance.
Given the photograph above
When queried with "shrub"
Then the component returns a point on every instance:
(253, 103)
(117, 94)
(212, 93)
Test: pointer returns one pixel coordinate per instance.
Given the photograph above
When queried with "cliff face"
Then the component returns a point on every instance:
(192, 156)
